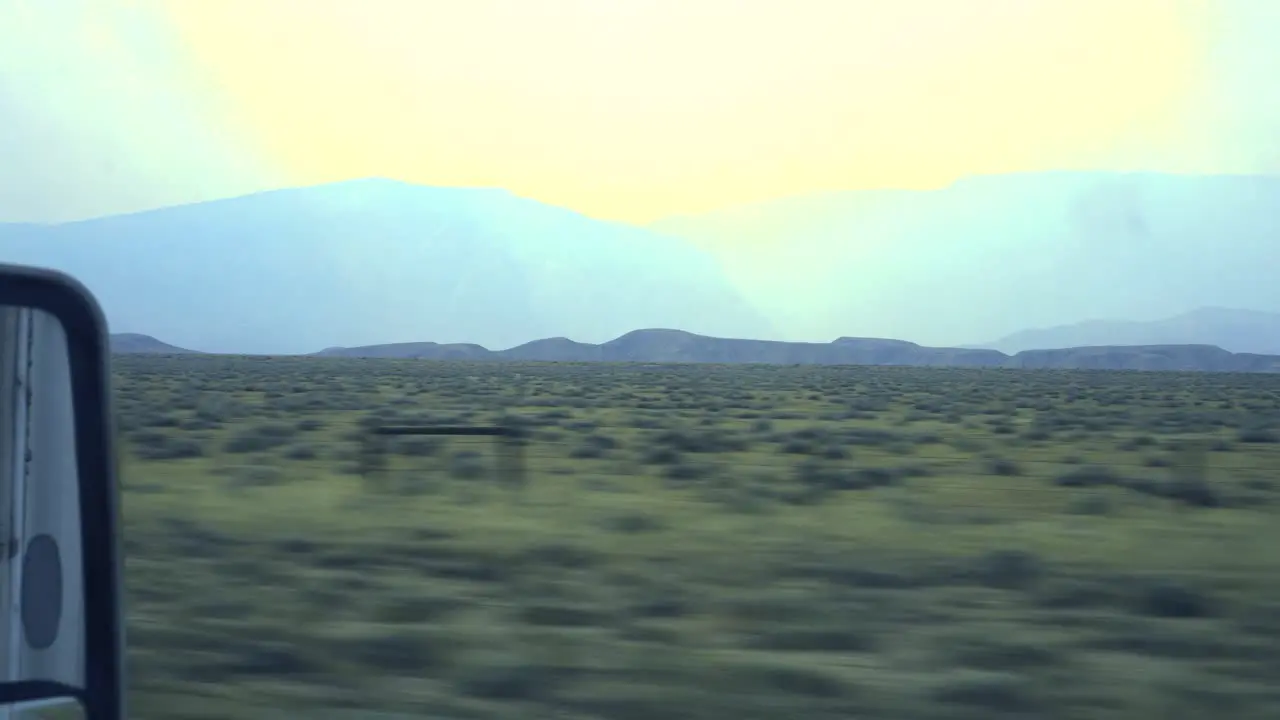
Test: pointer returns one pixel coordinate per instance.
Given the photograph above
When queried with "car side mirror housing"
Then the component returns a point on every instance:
(61, 627)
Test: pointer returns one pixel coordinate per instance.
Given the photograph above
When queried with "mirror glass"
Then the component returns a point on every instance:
(42, 636)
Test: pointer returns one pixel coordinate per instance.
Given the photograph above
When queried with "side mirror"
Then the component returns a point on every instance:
(61, 634)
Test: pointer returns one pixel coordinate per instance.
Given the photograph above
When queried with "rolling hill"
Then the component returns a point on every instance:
(374, 260)
(135, 344)
(992, 255)
(675, 346)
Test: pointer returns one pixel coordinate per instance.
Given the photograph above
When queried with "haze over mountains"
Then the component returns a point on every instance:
(375, 261)
(992, 255)
(370, 261)
(1241, 331)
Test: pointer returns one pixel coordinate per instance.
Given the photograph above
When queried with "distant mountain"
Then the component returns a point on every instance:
(426, 350)
(676, 346)
(1241, 331)
(369, 260)
(134, 344)
(992, 255)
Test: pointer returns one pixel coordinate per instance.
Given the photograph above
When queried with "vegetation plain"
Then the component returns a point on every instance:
(697, 542)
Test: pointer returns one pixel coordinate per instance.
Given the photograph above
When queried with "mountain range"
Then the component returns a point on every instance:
(1241, 331)
(372, 261)
(676, 346)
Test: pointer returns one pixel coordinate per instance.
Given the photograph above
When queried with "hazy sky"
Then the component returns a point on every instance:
(626, 109)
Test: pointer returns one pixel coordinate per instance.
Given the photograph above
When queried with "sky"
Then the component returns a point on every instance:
(630, 110)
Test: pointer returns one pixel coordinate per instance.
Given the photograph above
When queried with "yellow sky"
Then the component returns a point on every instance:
(625, 109)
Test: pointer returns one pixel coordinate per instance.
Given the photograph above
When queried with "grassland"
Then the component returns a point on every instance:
(700, 542)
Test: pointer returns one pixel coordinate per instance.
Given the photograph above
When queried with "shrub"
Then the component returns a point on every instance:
(1165, 598)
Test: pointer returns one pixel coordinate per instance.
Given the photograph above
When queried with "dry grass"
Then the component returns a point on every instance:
(701, 542)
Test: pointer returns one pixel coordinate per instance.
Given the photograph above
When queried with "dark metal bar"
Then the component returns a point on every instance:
(445, 430)
(510, 456)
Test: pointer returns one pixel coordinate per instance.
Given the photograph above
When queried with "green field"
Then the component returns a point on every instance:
(700, 542)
